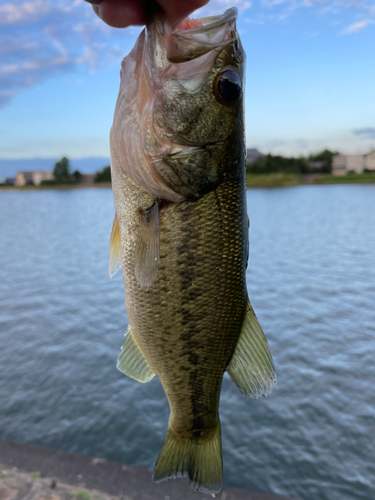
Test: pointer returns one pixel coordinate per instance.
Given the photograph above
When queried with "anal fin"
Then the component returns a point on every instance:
(114, 248)
(147, 250)
(132, 361)
(251, 367)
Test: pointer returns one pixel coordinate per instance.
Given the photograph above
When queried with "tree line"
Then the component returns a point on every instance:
(268, 164)
(279, 164)
(62, 172)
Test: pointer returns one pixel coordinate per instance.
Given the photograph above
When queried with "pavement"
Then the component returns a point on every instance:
(31, 472)
(17, 485)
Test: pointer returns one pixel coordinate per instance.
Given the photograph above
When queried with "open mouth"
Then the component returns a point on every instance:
(195, 37)
(207, 24)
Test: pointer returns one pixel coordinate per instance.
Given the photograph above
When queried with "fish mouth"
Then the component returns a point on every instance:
(212, 22)
(214, 33)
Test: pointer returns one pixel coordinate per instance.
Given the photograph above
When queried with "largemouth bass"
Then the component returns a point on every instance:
(180, 233)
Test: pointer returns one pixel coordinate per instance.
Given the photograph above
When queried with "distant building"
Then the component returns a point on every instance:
(24, 179)
(252, 155)
(370, 161)
(33, 178)
(39, 176)
(10, 181)
(342, 164)
(355, 163)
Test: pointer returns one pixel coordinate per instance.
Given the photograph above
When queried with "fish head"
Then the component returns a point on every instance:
(179, 127)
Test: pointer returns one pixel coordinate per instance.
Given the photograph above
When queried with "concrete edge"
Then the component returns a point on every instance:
(113, 478)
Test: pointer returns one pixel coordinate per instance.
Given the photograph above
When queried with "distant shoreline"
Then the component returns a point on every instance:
(252, 181)
(290, 180)
(59, 187)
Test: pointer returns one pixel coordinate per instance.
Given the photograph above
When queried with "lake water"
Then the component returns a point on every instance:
(311, 280)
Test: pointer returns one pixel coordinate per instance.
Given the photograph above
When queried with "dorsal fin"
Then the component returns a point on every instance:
(251, 367)
(114, 248)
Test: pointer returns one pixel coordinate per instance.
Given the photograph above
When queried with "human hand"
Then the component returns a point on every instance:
(123, 13)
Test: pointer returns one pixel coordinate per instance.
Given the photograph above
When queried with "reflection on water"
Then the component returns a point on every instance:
(311, 280)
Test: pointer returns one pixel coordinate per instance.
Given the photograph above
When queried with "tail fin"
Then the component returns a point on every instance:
(198, 459)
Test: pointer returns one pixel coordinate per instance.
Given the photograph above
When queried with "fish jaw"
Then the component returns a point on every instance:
(144, 132)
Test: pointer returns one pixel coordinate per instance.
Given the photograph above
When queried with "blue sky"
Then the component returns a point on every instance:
(310, 76)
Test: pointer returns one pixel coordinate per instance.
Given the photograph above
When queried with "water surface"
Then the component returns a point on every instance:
(311, 280)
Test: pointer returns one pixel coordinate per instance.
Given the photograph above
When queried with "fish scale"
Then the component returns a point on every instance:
(197, 303)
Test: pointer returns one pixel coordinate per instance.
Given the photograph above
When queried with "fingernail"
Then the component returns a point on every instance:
(94, 2)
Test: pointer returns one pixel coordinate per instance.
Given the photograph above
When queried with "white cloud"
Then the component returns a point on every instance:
(41, 38)
(366, 132)
(11, 13)
(357, 27)
(248, 20)
(313, 34)
(215, 7)
(6, 96)
(15, 78)
(285, 8)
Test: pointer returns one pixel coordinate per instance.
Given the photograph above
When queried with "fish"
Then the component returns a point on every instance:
(180, 234)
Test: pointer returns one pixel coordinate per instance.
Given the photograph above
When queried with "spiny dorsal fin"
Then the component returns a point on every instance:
(147, 249)
(114, 248)
(251, 367)
(132, 361)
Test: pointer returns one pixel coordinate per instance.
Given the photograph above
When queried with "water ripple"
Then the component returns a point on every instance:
(311, 280)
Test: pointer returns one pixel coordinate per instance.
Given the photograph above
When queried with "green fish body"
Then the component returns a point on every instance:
(180, 235)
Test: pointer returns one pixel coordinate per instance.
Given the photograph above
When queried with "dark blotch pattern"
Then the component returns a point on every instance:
(188, 323)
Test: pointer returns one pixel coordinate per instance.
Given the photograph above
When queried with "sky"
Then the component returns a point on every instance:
(310, 78)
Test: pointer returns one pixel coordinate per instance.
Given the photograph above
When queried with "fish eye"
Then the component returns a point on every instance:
(228, 87)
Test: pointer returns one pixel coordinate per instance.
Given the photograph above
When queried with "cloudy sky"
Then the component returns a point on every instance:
(310, 76)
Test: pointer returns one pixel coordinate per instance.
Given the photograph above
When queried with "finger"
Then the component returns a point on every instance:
(120, 13)
(123, 13)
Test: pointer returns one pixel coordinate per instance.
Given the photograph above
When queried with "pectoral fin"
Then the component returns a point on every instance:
(147, 250)
(132, 361)
(114, 248)
(251, 367)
